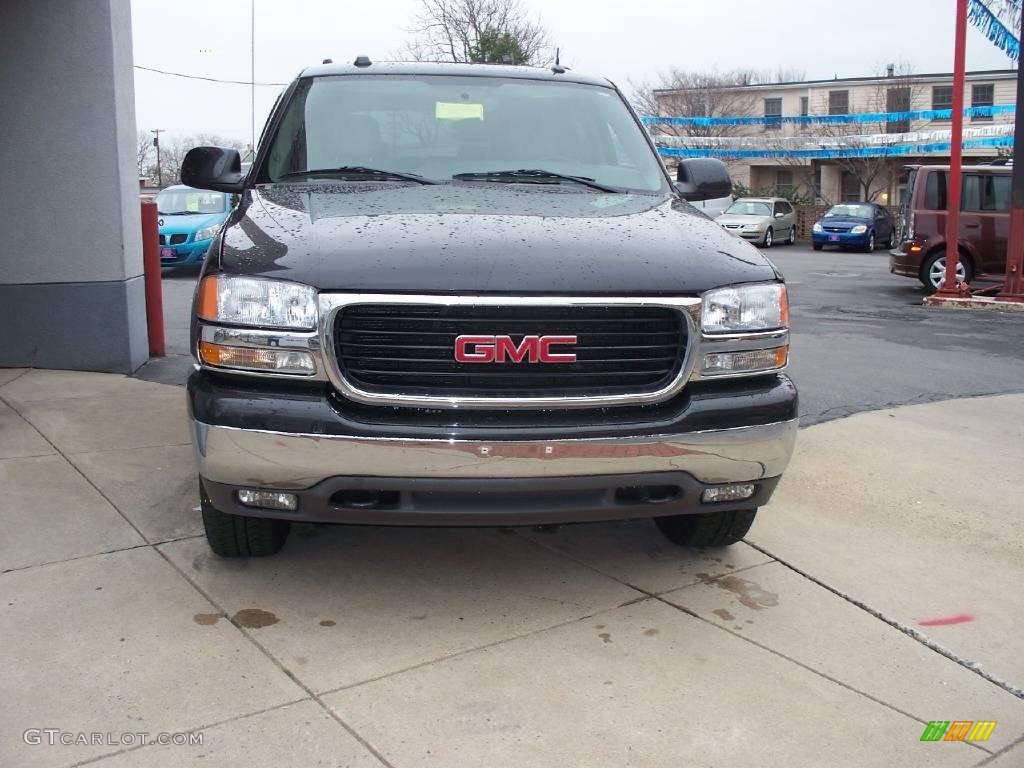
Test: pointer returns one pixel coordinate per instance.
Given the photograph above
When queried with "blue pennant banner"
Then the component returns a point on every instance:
(939, 147)
(991, 25)
(862, 117)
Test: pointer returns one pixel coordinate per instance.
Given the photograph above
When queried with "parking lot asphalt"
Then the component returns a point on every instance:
(861, 338)
(877, 592)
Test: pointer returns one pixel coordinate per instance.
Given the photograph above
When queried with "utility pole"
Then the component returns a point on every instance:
(159, 169)
(252, 72)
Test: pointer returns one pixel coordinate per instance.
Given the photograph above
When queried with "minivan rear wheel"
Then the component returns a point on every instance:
(933, 273)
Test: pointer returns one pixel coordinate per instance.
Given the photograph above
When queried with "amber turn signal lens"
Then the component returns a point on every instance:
(257, 359)
(753, 361)
(784, 307)
(207, 306)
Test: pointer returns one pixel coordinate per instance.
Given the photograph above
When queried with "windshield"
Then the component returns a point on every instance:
(850, 211)
(441, 126)
(749, 208)
(172, 201)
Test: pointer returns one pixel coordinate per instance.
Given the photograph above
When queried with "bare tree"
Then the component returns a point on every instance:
(696, 94)
(476, 30)
(145, 149)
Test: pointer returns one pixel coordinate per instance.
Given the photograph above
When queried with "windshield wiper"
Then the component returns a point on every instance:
(360, 170)
(174, 213)
(533, 175)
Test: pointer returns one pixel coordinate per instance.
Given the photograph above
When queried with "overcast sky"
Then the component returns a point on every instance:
(626, 41)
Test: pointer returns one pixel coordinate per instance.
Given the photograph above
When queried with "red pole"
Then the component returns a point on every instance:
(949, 288)
(151, 278)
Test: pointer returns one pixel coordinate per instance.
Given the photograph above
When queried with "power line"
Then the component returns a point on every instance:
(207, 79)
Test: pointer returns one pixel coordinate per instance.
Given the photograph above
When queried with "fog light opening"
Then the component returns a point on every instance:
(734, 492)
(288, 502)
(366, 498)
(647, 494)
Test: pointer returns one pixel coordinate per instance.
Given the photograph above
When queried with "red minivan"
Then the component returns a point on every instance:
(984, 224)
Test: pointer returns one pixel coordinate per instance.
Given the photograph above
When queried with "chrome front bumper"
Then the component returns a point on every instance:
(265, 459)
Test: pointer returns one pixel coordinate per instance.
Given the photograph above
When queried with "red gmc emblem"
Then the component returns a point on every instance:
(501, 349)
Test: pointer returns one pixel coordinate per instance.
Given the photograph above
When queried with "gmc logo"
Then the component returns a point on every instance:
(501, 349)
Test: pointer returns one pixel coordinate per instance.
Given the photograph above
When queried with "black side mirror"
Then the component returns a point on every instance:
(702, 178)
(213, 168)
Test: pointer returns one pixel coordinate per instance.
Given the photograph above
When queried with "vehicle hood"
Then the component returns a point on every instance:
(188, 223)
(842, 221)
(482, 237)
(738, 218)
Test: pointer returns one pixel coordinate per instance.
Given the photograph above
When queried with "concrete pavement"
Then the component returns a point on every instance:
(596, 645)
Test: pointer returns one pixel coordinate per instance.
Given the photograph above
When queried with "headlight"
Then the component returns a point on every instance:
(817, 227)
(206, 233)
(760, 307)
(751, 226)
(257, 302)
(860, 229)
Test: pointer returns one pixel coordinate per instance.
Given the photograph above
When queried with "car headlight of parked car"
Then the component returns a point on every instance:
(859, 229)
(257, 302)
(817, 227)
(207, 233)
(744, 308)
(751, 226)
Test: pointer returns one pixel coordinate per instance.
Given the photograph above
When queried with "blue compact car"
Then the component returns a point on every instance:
(188, 218)
(864, 226)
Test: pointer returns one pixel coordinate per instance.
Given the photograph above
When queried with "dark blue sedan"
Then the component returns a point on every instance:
(864, 226)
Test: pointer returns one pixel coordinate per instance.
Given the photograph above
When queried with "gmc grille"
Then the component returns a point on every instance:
(409, 349)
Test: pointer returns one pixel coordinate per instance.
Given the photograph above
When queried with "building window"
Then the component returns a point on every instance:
(942, 98)
(817, 181)
(982, 96)
(849, 189)
(804, 106)
(897, 100)
(783, 183)
(772, 114)
(839, 102)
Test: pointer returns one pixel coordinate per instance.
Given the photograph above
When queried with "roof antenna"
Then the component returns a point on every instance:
(557, 68)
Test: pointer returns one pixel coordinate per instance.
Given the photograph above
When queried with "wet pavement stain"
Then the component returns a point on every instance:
(605, 637)
(254, 618)
(723, 614)
(207, 619)
(650, 632)
(328, 623)
(749, 593)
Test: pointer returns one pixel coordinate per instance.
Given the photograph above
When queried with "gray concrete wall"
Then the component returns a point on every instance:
(71, 250)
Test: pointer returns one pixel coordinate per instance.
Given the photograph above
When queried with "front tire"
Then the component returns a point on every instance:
(870, 247)
(769, 238)
(817, 246)
(933, 273)
(708, 529)
(240, 536)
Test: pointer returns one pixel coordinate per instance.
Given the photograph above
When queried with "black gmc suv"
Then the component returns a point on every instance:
(472, 295)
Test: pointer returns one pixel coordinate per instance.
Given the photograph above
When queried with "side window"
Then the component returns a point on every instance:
(935, 191)
(986, 192)
(785, 208)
